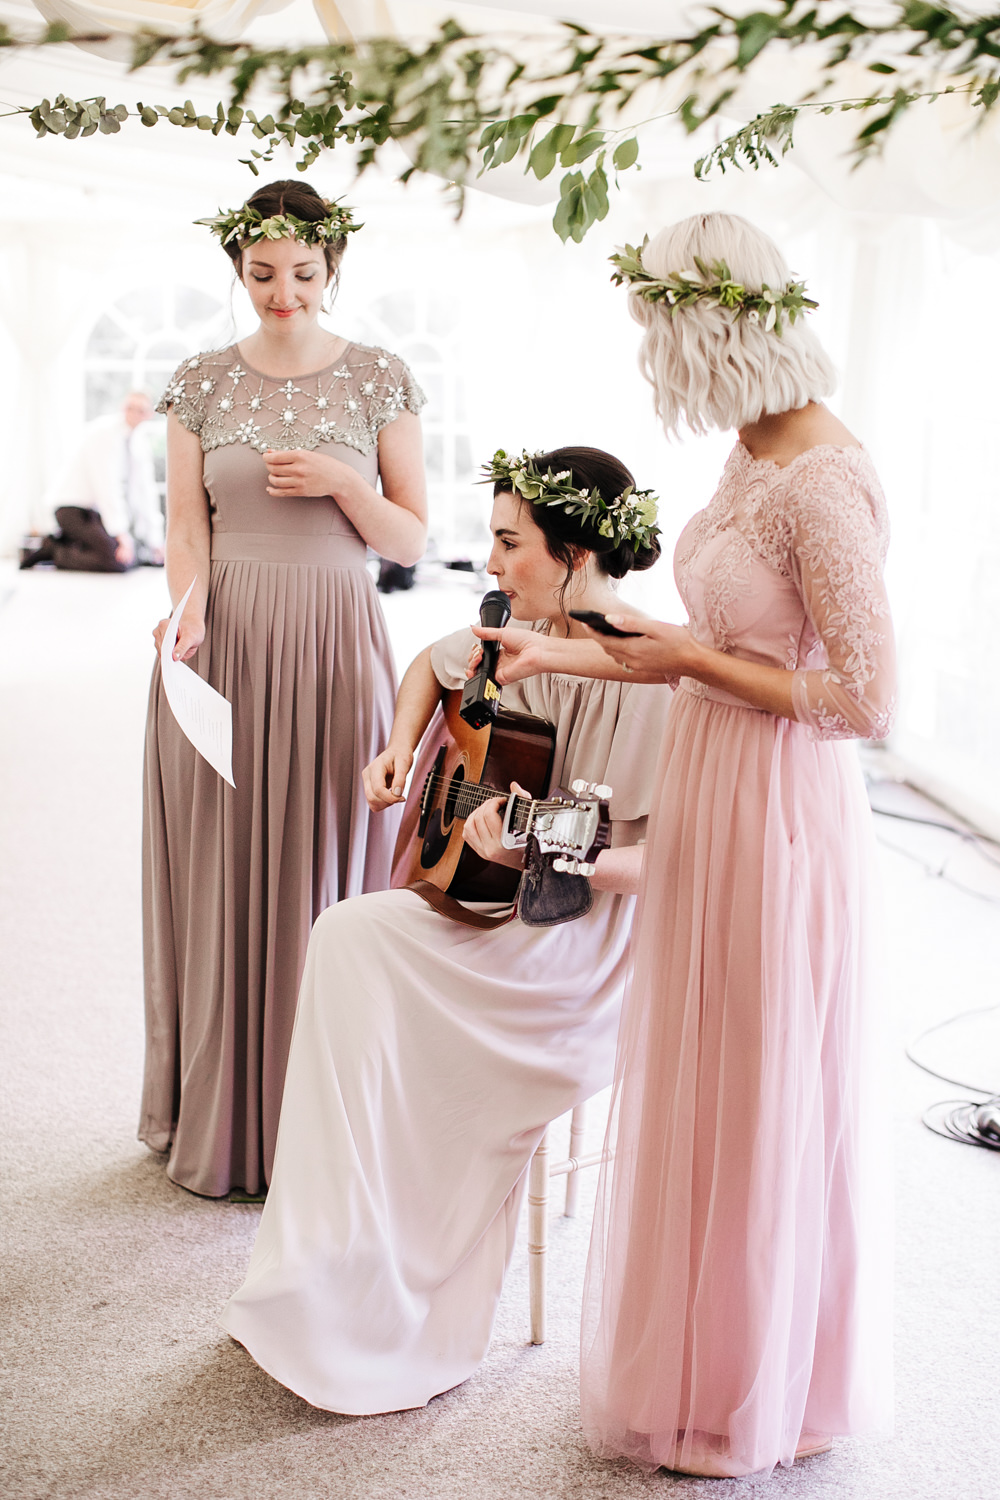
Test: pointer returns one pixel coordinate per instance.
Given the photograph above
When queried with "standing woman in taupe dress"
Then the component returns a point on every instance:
(274, 448)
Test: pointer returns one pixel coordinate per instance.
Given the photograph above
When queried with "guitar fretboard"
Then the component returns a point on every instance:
(463, 797)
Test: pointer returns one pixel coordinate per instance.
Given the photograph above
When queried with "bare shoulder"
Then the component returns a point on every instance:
(821, 429)
(782, 438)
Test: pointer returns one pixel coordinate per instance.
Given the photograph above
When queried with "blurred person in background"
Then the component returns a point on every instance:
(105, 503)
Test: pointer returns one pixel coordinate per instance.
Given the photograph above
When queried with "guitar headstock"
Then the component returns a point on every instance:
(571, 827)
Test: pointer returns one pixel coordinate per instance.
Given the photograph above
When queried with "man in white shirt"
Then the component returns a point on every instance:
(105, 500)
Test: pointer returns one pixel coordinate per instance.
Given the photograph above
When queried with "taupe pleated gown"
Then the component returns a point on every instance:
(233, 880)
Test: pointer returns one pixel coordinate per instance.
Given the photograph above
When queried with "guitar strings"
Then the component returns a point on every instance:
(473, 794)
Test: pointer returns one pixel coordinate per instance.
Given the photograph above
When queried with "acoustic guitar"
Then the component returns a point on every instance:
(473, 766)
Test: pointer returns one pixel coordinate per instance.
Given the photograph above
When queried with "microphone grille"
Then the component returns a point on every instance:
(497, 603)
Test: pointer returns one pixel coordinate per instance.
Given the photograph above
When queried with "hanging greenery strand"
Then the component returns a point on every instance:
(449, 100)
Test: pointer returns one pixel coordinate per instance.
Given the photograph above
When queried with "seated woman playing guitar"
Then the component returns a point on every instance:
(429, 1056)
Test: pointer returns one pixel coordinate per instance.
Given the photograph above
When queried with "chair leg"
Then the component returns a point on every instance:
(538, 1236)
(577, 1124)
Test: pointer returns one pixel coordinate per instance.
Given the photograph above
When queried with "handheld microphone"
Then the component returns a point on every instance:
(481, 694)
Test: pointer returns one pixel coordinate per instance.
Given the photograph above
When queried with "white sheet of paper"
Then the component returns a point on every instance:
(204, 716)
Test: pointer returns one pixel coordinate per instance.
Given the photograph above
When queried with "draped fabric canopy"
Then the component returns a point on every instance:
(941, 161)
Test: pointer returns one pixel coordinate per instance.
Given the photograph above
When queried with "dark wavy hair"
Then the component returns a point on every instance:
(298, 198)
(565, 538)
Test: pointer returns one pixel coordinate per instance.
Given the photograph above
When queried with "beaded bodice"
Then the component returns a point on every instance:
(224, 400)
(784, 567)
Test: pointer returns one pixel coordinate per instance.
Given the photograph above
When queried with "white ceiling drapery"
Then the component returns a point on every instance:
(942, 161)
(226, 19)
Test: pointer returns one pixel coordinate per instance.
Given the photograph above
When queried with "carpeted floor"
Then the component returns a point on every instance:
(119, 1383)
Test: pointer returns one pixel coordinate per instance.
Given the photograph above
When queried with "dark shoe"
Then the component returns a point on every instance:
(41, 552)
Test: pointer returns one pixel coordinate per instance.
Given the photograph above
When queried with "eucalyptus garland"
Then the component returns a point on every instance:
(450, 99)
(628, 517)
(711, 283)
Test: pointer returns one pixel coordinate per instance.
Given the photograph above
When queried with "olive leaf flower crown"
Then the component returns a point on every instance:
(629, 517)
(248, 225)
(712, 283)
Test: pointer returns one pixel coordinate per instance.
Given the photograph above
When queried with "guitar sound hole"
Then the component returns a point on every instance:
(435, 842)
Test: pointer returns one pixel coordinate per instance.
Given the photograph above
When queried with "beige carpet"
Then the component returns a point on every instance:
(119, 1383)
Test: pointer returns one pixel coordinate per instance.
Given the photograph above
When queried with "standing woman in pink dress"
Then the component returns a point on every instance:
(738, 1287)
(287, 455)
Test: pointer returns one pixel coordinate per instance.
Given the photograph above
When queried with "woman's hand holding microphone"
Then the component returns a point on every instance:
(653, 651)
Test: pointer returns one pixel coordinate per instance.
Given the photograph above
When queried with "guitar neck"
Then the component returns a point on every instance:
(471, 795)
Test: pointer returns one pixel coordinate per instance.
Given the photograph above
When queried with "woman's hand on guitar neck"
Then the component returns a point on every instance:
(385, 778)
(483, 829)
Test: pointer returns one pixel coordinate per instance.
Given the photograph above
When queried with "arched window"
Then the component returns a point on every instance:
(138, 342)
(423, 327)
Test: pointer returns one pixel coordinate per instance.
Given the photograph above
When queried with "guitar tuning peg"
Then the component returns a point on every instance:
(573, 867)
(590, 789)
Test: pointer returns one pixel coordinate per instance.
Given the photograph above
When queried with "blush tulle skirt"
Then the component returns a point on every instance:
(738, 1292)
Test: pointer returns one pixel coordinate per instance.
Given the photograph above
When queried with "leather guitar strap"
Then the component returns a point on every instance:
(449, 907)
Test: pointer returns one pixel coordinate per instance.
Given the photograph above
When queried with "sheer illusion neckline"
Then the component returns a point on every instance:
(280, 379)
(771, 463)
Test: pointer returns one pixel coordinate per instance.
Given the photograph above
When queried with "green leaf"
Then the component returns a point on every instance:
(545, 154)
(626, 154)
(570, 198)
(578, 150)
(522, 125)
(511, 146)
(755, 32)
(597, 186)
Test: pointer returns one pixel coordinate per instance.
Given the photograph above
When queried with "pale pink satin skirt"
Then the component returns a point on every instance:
(738, 1292)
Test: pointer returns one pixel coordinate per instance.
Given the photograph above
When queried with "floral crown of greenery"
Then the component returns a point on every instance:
(712, 283)
(247, 225)
(629, 517)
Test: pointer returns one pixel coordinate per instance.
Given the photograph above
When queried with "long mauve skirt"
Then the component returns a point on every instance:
(233, 880)
(739, 1283)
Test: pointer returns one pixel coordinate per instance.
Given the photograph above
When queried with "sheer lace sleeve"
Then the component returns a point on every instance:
(188, 390)
(839, 534)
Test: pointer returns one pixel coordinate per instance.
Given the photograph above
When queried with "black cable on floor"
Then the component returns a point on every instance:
(962, 1124)
(981, 842)
(973, 1088)
(969, 1123)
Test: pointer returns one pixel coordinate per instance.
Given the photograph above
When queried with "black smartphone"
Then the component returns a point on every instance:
(598, 622)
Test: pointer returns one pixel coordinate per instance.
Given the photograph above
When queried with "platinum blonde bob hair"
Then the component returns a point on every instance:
(708, 367)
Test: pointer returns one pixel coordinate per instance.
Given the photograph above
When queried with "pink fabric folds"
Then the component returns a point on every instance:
(738, 1291)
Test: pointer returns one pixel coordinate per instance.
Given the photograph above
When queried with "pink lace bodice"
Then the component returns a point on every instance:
(784, 567)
